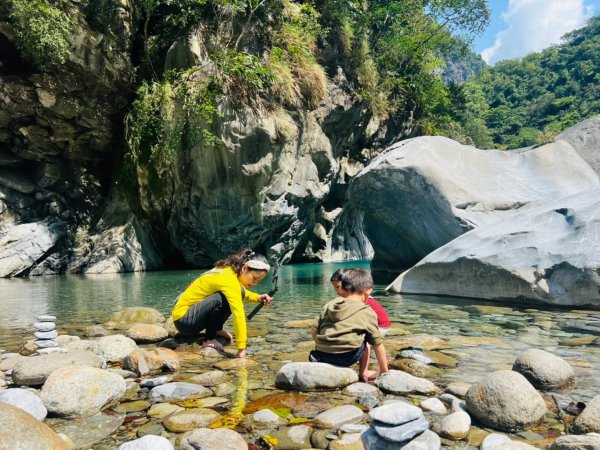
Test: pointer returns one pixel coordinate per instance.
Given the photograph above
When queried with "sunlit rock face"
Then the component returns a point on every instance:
(424, 192)
(546, 254)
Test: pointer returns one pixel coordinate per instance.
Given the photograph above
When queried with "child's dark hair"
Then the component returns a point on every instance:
(356, 281)
(337, 275)
(238, 259)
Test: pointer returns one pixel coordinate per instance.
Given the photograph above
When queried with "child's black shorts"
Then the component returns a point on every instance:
(345, 359)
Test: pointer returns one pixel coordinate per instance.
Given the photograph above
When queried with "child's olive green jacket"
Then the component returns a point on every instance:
(344, 325)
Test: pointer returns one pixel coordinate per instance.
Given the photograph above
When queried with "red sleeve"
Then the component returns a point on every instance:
(383, 321)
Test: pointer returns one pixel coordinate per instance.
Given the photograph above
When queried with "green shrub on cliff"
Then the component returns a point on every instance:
(41, 29)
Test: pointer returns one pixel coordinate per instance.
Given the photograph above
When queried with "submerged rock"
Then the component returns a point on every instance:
(545, 254)
(505, 400)
(190, 419)
(311, 376)
(178, 391)
(84, 432)
(218, 439)
(296, 437)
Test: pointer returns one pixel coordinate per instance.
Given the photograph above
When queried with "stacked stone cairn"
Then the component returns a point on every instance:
(45, 334)
(397, 425)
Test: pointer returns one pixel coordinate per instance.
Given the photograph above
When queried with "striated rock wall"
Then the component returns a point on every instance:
(59, 129)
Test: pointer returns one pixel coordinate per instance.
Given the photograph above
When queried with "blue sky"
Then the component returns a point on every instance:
(519, 27)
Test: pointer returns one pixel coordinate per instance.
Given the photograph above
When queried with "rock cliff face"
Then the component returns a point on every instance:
(423, 192)
(58, 134)
(278, 184)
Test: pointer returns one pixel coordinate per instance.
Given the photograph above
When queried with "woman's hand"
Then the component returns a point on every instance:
(241, 353)
(265, 299)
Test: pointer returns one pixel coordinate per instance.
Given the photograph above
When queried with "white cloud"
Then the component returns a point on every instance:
(532, 25)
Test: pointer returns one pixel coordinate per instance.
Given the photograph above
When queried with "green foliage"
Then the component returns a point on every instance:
(42, 29)
(169, 117)
(394, 48)
(526, 102)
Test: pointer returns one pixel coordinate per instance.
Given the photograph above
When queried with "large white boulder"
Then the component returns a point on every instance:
(313, 376)
(545, 254)
(421, 193)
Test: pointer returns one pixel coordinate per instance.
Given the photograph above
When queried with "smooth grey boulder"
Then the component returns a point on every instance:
(34, 370)
(505, 400)
(25, 400)
(398, 382)
(584, 137)
(545, 254)
(589, 420)
(312, 376)
(421, 193)
(544, 370)
(589, 441)
(76, 391)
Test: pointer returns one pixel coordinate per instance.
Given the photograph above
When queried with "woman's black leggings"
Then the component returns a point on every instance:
(210, 314)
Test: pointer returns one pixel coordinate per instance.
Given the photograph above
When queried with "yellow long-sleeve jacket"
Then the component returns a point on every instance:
(218, 280)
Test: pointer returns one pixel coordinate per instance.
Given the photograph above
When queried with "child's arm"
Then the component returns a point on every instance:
(379, 350)
(313, 333)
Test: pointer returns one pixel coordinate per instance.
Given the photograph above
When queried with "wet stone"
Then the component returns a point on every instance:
(266, 418)
(191, 418)
(434, 405)
(296, 437)
(218, 439)
(160, 410)
(401, 433)
(338, 416)
(157, 381)
(396, 413)
(178, 391)
(458, 388)
(360, 389)
(209, 402)
(150, 428)
(211, 378)
(129, 407)
(86, 431)
(440, 359)
(223, 389)
(235, 363)
(416, 355)
(148, 442)
(369, 401)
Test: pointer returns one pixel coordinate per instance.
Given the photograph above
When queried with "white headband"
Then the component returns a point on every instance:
(258, 265)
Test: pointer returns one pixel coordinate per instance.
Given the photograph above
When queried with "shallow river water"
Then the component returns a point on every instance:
(483, 337)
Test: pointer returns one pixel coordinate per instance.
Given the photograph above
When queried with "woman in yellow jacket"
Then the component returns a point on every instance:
(215, 295)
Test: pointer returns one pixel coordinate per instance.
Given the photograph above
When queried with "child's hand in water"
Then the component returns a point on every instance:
(241, 353)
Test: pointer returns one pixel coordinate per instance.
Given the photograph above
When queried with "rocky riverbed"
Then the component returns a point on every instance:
(109, 385)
